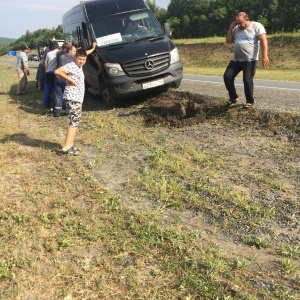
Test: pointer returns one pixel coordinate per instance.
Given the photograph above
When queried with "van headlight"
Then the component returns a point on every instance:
(114, 69)
(175, 56)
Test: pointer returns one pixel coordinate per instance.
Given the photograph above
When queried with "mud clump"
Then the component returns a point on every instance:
(180, 109)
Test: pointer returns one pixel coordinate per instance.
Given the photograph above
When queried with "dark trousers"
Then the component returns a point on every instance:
(232, 70)
(48, 88)
(60, 85)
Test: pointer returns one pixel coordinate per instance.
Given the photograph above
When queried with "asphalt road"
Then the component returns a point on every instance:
(268, 94)
(259, 83)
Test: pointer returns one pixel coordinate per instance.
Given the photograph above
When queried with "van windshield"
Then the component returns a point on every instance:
(125, 28)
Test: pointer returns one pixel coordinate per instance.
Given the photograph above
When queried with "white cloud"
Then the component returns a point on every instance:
(45, 7)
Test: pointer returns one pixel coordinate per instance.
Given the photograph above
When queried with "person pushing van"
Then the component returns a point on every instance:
(73, 96)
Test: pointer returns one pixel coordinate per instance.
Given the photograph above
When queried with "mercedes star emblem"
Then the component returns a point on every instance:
(149, 64)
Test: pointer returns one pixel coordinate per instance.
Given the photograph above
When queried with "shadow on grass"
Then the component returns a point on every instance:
(25, 140)
(32, 101)
(94, 102)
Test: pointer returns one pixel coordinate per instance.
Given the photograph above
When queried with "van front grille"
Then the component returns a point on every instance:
(148, 65)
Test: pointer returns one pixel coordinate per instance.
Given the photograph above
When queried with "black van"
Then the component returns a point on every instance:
(134, 55)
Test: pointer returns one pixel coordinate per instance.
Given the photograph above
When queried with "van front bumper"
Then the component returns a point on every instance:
(123, 87)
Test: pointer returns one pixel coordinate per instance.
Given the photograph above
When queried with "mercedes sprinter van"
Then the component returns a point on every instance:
(134, 55)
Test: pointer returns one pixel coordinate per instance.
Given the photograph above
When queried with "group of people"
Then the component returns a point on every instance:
(54, 58)
(63, 72)
(64, 78)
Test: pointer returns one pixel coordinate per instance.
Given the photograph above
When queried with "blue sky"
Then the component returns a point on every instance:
(18, 16)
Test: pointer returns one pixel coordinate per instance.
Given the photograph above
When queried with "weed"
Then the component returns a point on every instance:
(240, 263)
(3, 270)
(290, 251)
(288, 266)
(258, 242)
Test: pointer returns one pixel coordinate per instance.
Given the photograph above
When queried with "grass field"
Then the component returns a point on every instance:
(210, 56)
(146, 212)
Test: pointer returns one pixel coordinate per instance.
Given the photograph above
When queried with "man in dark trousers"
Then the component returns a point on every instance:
(50, 67)
(247, 36)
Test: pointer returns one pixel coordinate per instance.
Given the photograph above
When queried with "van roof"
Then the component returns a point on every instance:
(111, 7)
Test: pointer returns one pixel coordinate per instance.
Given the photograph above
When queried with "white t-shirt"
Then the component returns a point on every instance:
(74, 93)
(246, 43)
(51, 61)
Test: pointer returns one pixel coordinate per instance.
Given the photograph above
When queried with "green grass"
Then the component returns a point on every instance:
(269, 74)
(218, 39)
(199, 41)
(210, 57)
(66, 233)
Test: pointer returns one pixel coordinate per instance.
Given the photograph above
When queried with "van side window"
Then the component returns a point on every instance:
(85, 34)
(78, 31)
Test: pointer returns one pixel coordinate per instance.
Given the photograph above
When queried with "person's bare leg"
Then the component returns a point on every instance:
(70, 137)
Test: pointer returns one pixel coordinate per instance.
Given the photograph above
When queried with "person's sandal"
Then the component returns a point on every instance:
(230, 102)
(248, 105)
(70, 151)
(75, 148)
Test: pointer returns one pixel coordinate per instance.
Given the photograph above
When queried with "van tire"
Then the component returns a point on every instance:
(108, 99)
(177, 85)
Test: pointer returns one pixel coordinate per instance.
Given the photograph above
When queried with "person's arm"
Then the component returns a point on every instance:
(61, 72)
(93, 48)
(45, 64)
(264, 49)
(229, 35)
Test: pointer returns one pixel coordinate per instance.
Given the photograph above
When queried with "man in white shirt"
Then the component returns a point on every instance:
(247, 36)
(50, 67)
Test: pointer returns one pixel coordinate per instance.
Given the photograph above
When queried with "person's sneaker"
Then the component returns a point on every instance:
(70, 151)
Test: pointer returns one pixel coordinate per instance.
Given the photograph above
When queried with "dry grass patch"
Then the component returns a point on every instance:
(156, 206)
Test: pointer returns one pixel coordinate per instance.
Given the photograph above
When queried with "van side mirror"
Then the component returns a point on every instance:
(83, 44)
(167, 29)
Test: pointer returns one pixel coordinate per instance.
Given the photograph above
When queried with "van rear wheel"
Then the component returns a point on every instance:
(108, 98)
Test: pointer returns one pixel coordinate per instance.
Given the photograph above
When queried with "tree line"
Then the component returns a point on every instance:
(198, 19)
(32, 39)
(208, 18)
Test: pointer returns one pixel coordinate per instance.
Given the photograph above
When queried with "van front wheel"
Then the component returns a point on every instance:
(108, 98)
